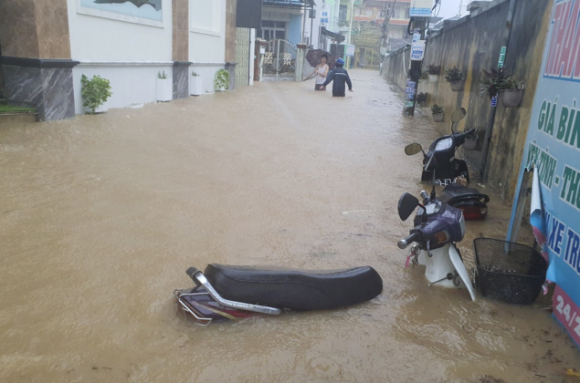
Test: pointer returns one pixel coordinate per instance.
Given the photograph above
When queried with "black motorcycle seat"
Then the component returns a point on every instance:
(298, 290)
(456, 193)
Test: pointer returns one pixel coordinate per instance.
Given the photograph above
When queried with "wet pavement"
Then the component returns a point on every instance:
(101, 215)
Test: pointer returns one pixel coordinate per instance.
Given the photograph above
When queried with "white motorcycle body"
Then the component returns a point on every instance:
(439, 263)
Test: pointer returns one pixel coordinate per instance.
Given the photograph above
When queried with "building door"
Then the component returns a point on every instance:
(242, 56)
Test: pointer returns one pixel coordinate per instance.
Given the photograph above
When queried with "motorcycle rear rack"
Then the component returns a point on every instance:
(202, 282)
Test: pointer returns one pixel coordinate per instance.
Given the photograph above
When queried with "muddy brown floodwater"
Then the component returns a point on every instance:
(101, 215)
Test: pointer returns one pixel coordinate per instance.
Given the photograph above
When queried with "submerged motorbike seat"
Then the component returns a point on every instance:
(298, 290)
(455, 193)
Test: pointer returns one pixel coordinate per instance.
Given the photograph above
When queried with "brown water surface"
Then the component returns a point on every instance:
(101, 215)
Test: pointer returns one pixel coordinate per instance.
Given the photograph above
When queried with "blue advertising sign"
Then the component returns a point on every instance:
(553, 151)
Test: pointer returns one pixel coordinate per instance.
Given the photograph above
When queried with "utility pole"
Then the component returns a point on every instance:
(419, 13)
(350, 30)
(387, 13)
(460, 7)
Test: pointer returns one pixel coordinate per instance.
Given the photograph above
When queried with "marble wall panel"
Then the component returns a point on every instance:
(180, 81)
(18, 28)
(52, 29)
(58, 97)
(180, 30)
(23, 85)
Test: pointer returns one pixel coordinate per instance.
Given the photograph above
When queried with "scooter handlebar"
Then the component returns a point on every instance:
(403, 243)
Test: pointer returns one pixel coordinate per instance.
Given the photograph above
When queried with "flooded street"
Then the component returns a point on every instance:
(101, 215)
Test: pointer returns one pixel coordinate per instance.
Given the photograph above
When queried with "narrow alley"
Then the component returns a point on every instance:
(102, 214)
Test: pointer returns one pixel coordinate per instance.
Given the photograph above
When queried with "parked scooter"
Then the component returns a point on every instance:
(237, 292)
(438, 227)
(440, 159)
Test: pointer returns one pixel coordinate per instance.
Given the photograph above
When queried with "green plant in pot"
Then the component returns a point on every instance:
(433, 71)
(222, 80)
(437, 113)
(496, 82)
(95, 92)
(455, 78)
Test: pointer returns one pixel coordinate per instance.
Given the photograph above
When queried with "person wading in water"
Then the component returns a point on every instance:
(340, 76)
(321, 71)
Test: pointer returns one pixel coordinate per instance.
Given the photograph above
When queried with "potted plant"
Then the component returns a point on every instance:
(422, 98)
(196, 85)
(496, 82)
(511, 94)
(164, 87)
(433, 71)
(437, 113)
(222, 80)
(95, 93)
(455, 78)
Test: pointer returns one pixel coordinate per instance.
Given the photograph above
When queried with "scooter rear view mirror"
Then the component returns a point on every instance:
(407, 205)
(413, 149)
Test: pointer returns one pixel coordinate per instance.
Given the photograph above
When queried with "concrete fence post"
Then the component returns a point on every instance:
(300, 55)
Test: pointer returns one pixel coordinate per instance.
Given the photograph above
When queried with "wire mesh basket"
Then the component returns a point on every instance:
(508, 272)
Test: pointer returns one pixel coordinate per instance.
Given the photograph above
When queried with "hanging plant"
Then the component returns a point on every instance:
(493, 81)
(497, 82)
(437, 113)
(433, 69)
(422, 98)
(453, 75)
(436, 109)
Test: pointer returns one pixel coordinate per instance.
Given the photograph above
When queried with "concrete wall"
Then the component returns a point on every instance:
(294, 35)
(94, 37)
(473, 43)
(128, 51)
(207, 40)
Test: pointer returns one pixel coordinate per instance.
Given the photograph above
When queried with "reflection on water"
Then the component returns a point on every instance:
(101, 215)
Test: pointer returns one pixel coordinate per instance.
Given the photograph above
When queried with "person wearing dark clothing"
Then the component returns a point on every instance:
(340, 76)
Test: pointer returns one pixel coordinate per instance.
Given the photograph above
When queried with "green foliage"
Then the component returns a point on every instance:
(496, 80)
(95, 91)
(194, 74)
(222, 79)
(453, 75)
(162, 75)
(436, 109)
(433, 69)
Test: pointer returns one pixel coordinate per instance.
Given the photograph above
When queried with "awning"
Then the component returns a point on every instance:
(331, 35)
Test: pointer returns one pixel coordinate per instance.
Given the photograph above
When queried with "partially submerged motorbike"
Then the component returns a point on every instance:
(438, 227)
(440, 160)
(236, 292)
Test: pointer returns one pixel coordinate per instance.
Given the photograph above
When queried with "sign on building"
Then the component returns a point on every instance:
(553, 151)
(418, 50)
(324, 18)
(349, 50)
(421, 8)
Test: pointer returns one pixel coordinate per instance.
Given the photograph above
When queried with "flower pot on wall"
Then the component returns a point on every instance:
(456, 86)
(196, 86)
(438, 117)
(164, 89)
(511, 98)
(433, 77)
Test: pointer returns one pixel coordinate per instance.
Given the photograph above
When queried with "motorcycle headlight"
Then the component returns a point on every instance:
(444, 144)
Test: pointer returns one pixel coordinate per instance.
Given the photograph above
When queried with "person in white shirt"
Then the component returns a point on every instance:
(321, 71)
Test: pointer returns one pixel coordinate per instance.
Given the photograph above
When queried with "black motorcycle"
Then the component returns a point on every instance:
(440, 166)
(236, 292)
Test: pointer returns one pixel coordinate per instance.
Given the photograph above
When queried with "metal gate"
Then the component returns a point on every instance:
(279, 61)
(242, 56)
